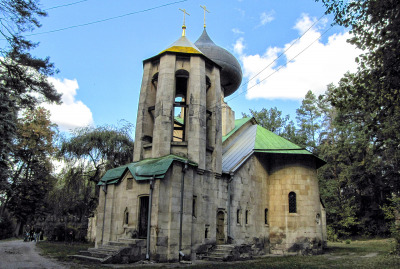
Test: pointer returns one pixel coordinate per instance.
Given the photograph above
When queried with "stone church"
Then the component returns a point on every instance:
(201, 179)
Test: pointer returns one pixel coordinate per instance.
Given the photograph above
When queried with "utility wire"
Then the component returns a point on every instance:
(275, 71)
(65, 5)
(107, 19)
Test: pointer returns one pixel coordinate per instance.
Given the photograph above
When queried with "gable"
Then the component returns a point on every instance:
(239, 144)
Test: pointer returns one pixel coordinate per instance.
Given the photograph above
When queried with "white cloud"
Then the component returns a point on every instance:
(71, 113)
(239, 46)
(237, 31)
(313, 69)
(266, 17)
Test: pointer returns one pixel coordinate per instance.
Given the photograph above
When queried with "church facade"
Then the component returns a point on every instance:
(199, 177)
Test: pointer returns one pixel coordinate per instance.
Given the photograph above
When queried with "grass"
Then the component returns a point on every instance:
(371, 253)
(61, 250)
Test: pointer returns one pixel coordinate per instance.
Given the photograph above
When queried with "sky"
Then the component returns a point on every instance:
(99, 46)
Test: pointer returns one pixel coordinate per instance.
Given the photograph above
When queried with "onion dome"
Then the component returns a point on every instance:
(231, 73)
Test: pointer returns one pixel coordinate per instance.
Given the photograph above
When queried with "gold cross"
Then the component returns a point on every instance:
(184, 26)
(205, 9)
(184, 13)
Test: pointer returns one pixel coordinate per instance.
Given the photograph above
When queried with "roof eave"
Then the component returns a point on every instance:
(158, 56)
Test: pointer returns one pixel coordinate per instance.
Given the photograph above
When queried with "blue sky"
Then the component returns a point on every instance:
(101, 63)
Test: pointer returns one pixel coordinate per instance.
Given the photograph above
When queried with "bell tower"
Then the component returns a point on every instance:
(179, 108)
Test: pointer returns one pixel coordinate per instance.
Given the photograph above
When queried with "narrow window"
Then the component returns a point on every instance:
(180, 105)
(206, 231)
(238, 216)
(129, 183)
(194, 213)
(247, 217)
(318, 219)
(126, 217)
(292, 202)
(266, 216)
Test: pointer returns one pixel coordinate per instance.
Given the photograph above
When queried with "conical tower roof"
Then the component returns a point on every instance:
(183, 45)
(231, 73)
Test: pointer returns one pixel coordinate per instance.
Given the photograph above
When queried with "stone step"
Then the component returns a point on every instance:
(221, 252)
(116, 243)
(104, 249)
(88, 258)
(224, 247)
(132, 242)
(100, 254)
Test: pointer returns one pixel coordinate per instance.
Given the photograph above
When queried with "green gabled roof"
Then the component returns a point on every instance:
(271, 142)
(143, 170)
(238, 123)
(178, 120)
(254, 138)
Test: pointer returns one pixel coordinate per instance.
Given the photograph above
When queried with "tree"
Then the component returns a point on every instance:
(31, 177)
(272, 120)
(23, 77)
(103, 147)
(309, 119)
(368, 101)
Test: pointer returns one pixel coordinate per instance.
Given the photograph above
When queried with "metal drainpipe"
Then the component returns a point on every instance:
(180, 254)
(104, 187)
(229, 206)
(149, 219)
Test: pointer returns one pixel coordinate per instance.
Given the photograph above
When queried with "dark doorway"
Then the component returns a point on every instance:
(143, 216)
(220, 228)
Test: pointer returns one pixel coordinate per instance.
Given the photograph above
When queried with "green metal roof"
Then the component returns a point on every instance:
(267, 140)
(238, 123)
(143, 170)
(255, 138)
(178, 120)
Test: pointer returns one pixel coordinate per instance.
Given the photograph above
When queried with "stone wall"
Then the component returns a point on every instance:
(300, 231)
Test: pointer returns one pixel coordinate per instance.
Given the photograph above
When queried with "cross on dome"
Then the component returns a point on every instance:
(205, 9)
(184, 26)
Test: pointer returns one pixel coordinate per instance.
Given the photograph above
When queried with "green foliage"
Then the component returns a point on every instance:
(309, 119)
(273, 121)
(23, 77)
(392, 215)
(87, 155)
(31, 177)
(363, 154)
(103, 147)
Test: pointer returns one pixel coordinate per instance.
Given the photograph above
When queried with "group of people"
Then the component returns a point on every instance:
(33, 235)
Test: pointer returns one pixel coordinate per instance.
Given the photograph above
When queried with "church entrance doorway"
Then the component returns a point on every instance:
(143, 216)
(220, 228)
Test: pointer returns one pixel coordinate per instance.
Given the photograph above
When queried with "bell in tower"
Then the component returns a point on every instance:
(180, 107)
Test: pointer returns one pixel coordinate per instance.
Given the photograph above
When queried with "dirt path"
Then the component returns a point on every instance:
(18, 254)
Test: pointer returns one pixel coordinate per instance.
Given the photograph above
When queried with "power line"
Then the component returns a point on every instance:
(107, 19)
(275, 71)
(65, 5)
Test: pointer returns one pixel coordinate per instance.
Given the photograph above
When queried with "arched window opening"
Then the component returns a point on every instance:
(180, 105)
(209, 104)
(318, 219)
(292, 202)
(247, 217)
(126, 216)
(266, 216)
(148, 134)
